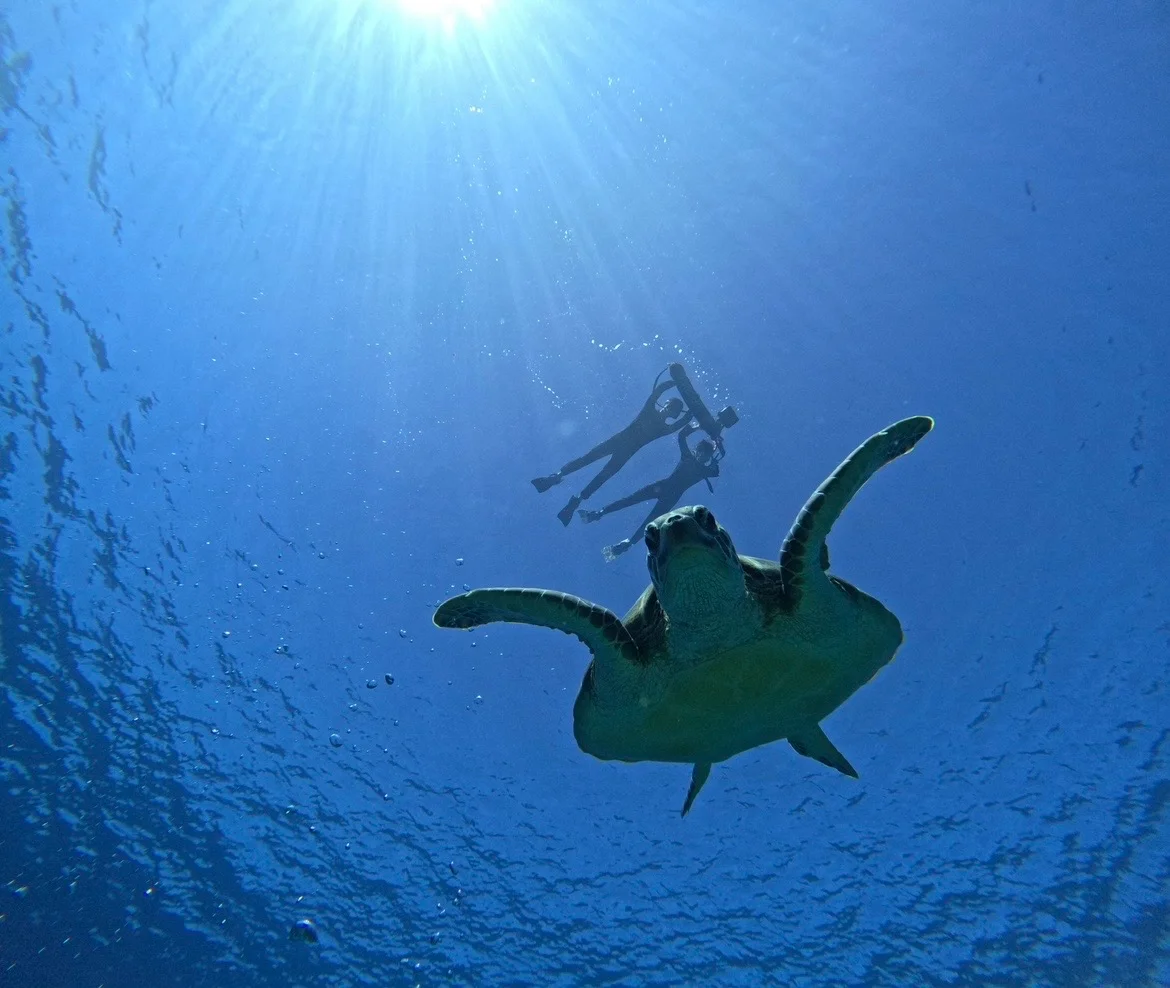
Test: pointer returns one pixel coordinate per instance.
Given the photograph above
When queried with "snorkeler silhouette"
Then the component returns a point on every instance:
(653, 421)
(700, 463)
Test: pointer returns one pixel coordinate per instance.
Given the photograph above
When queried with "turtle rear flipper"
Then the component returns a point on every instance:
(806, 538)
(812, 742)
(599, 628)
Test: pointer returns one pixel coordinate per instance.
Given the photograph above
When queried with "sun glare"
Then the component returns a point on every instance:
(447, 12)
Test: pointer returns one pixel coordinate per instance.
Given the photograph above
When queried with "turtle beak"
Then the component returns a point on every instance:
(692, 563)
(674, 532)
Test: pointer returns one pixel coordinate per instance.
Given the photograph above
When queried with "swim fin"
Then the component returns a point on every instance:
(566, 513)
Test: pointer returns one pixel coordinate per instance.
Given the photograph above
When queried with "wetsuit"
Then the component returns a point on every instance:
(665, 493)
(649, 424)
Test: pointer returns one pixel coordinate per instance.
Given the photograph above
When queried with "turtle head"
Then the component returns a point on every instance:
(695, 568)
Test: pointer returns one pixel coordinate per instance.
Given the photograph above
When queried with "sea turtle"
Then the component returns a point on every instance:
(722, 652)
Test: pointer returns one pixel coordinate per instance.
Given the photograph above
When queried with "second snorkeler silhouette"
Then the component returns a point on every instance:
(700, 463)
(655, 420)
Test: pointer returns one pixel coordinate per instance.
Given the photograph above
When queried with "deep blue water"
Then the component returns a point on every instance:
(299, 295)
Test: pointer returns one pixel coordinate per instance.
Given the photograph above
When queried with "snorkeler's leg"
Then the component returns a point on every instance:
(643, 494)
(607, 447)
(611, 467)
(621, 447)
(618, 460)
(661, 506)
(604, 448)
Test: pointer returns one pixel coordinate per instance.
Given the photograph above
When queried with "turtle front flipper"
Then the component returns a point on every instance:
(600, 629)
(698, 776)
(806, 540)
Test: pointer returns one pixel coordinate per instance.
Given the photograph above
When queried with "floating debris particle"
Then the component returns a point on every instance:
(335, 740)
(389, 680)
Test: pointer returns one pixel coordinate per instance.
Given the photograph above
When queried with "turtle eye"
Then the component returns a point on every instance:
(652, 537)
(706, 519)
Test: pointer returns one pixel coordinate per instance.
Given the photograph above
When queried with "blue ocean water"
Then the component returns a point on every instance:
(298, 297)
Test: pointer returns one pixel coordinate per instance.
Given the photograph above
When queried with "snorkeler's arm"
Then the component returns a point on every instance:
(684, 434)
(650, 407)
(661, 389)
